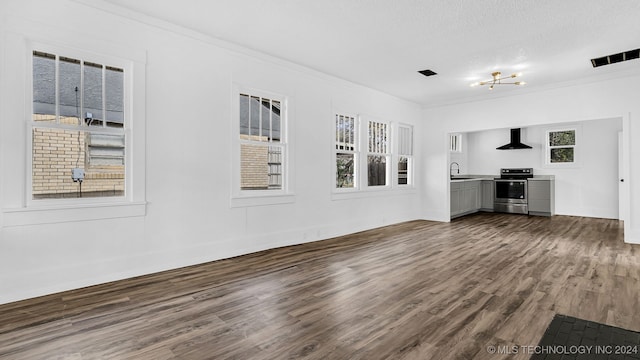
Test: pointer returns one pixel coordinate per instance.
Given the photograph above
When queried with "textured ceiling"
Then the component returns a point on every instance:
(382, 44)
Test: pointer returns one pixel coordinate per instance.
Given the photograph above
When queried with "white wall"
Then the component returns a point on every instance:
(608, 99)
(188, 217)
(590, 188)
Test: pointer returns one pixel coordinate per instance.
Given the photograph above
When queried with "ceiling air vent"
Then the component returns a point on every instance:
(616, 58)
(428, 72)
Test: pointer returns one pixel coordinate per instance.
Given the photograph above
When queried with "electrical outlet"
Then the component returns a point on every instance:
(77, 174)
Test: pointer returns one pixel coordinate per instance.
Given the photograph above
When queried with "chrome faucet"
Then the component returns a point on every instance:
(451, 169)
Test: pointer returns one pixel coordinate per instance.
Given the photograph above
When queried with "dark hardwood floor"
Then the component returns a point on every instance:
(417, 290)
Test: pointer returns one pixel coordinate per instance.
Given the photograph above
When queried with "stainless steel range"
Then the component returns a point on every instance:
(511, 191)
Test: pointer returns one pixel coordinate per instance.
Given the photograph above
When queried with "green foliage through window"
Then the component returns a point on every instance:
(562, 138)
(345, 172)
(562, 155)
(561, 146)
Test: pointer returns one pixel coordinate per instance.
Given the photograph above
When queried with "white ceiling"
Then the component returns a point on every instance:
(383, 43)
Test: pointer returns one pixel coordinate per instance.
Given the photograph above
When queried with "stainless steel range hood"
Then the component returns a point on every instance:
(515, 143)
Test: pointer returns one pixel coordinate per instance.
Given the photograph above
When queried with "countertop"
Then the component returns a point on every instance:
(461, 178)
(542, 177)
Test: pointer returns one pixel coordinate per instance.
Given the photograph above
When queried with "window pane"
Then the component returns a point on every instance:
(44, 87)
(403, 170)
(255, 116)
(244, 114)
(562, 138)
(345, 137)
(405, 140)
(351, 138)
(92, 94)
(377, 137)
(114, 93)
(56, 153)
(340, 132)
(275, 121)
(260, 167)
(562, 155)
(265, 128)
(345, 171)
(69, 91)
(377, 170)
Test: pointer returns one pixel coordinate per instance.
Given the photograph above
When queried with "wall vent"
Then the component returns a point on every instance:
(616, 58)
(427, 72)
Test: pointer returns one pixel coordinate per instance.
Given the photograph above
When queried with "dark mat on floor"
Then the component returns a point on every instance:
(572, 338)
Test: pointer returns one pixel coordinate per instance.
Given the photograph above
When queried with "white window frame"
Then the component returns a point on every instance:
(386, 152)
(405, 150)
(124, 131)
(576, 147)
(355, 152)
(133, 203)
(240, 197)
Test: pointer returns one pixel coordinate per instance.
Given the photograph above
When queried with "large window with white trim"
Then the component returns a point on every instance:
(78, 142)
(263, 146)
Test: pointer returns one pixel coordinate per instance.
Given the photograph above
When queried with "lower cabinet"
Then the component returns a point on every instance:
(541, 194)
(487, 187)
(466, 197)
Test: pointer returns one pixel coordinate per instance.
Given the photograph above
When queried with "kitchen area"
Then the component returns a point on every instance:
(565, 169)
(516, 191)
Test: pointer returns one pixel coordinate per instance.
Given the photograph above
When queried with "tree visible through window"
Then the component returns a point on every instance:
(78, 140)
(561, 146)
(346, 151)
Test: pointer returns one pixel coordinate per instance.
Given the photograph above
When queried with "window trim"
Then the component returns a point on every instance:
(242, 198)
(125, 130)
(28, 211)
(576, 147)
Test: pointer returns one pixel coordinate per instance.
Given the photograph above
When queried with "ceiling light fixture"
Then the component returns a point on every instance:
(497, 80)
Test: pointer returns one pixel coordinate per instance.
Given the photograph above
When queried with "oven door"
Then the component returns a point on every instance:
(510, 191)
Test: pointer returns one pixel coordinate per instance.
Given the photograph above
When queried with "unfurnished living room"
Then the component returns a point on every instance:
(319, 180)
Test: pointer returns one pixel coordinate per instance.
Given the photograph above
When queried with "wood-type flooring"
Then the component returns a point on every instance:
(416, 290)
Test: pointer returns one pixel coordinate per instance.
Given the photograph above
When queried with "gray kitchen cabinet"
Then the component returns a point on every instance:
(487, 190)
(456, 195)
(465, 197)
(541, 194)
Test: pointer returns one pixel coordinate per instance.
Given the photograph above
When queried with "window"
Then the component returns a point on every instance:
(346, 152)
(263, 147)
(560, 147)
(405, 154)
(377, 154)
(455, 143)
(368, 163)
(77, 128)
